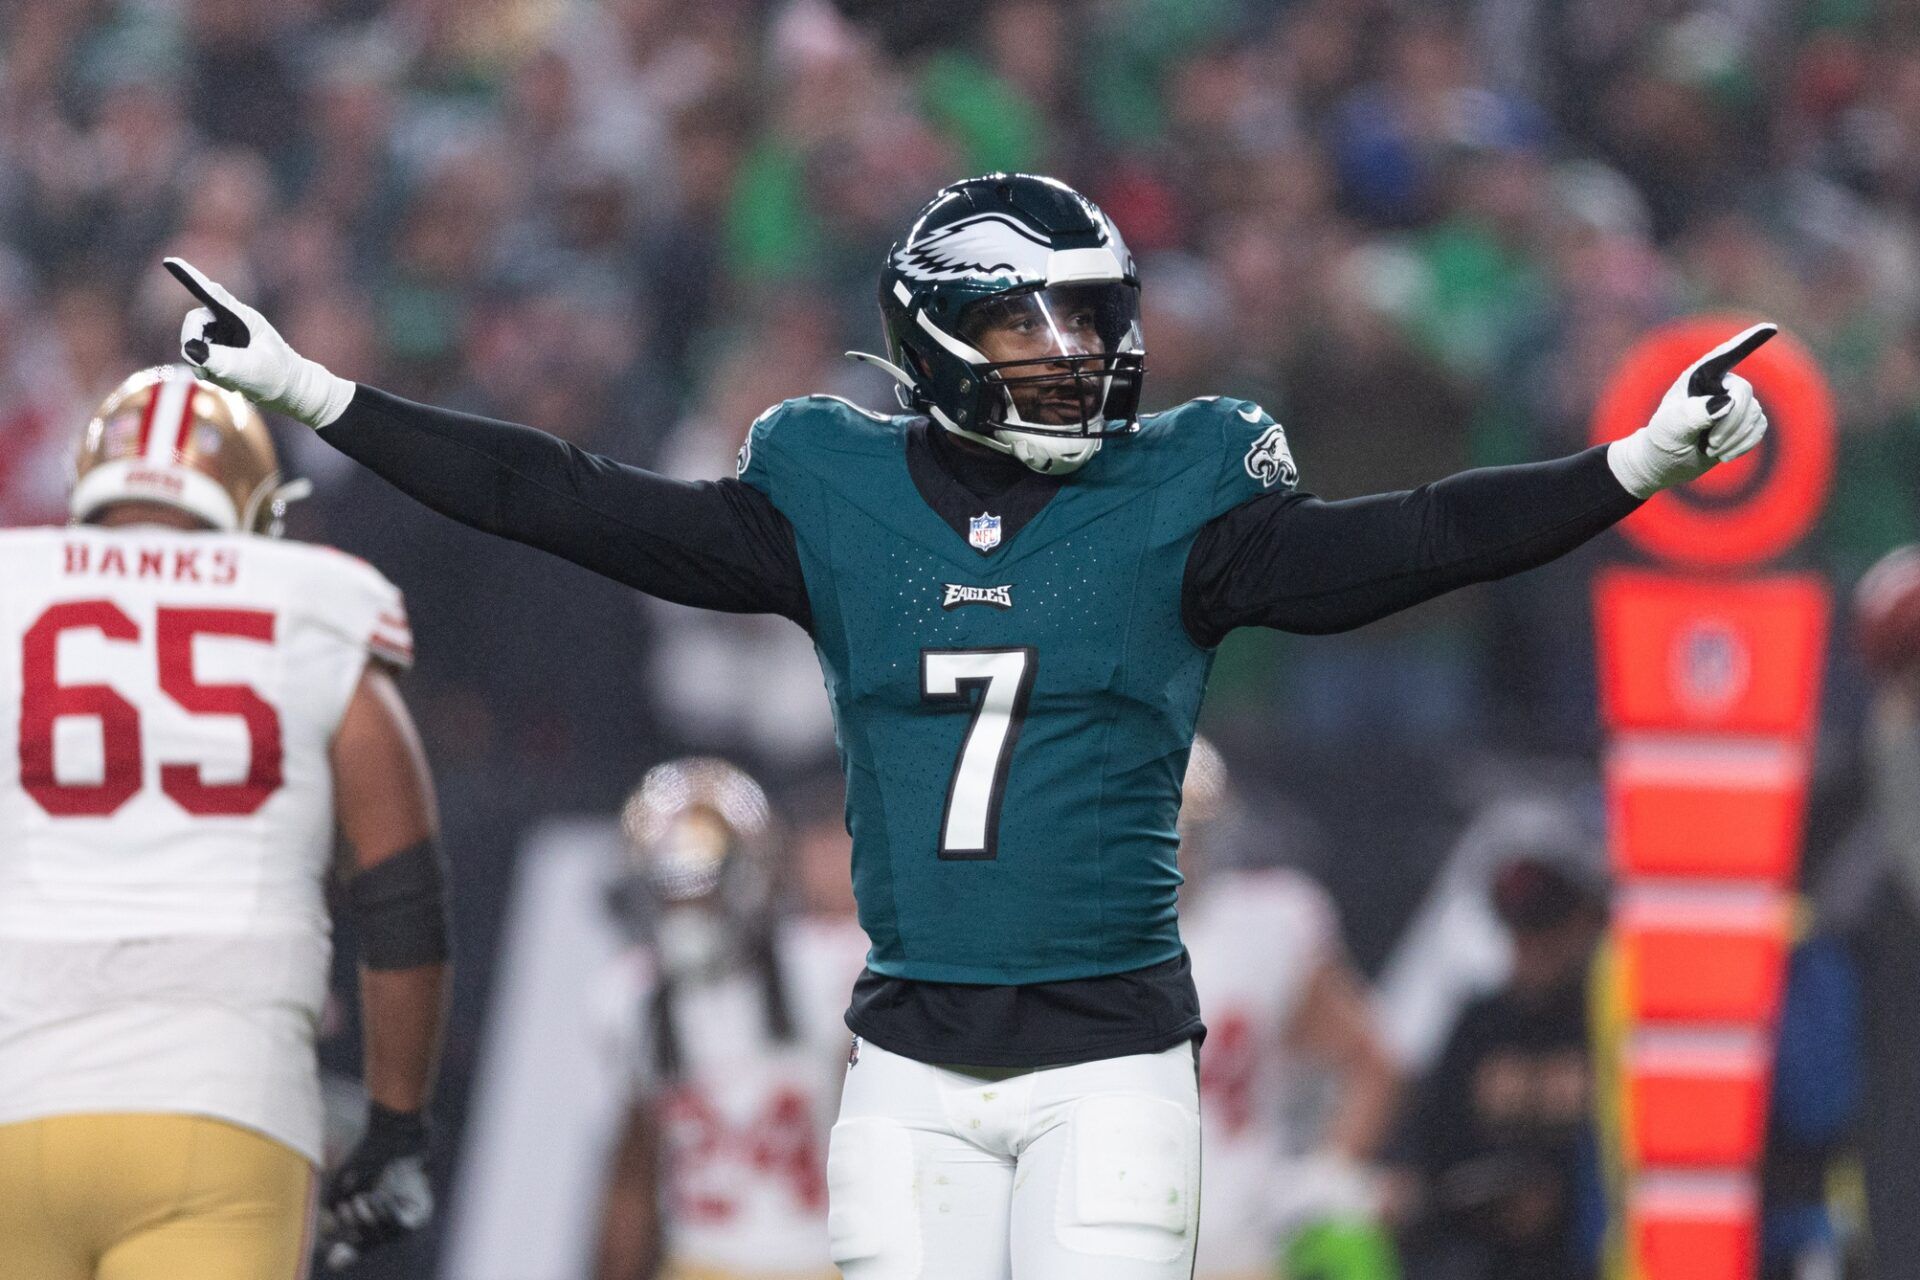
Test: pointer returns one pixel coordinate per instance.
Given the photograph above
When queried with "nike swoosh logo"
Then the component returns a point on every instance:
(1250, 413)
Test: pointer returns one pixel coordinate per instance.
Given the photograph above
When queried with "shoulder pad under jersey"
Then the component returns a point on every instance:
(354, 600)
(1252, 452)
(805, 435)
(1241, 448)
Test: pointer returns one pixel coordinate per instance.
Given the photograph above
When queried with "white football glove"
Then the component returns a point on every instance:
(229, 343)
(1708, 416)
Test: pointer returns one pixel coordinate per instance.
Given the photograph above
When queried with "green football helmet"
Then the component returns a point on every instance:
(1034, 270)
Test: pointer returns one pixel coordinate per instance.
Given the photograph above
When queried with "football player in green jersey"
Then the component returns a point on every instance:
(1015, 585)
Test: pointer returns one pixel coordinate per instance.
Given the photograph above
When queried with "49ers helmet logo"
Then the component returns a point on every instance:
(166, 436)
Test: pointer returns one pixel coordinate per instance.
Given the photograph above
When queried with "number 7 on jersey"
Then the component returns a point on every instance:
(1003, 678)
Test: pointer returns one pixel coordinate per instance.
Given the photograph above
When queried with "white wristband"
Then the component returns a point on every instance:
(315, 395)
(1638, 464)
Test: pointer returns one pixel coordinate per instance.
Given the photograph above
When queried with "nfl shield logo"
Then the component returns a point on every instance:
(983, 531)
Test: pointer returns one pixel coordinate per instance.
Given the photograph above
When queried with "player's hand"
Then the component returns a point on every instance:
(380, 1192)
(1708, 416)
(231, 344)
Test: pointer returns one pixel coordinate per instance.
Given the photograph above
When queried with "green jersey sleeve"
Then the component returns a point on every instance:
(758, 462)
(1254, 457)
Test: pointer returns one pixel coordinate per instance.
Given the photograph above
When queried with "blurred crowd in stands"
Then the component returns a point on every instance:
(1420, 234)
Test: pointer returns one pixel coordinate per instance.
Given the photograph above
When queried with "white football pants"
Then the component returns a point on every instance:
(1083, 1172)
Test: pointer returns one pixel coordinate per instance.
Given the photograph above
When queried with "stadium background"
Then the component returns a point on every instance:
(1419, 234)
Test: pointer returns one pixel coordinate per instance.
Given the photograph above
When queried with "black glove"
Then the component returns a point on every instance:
(380, 1192)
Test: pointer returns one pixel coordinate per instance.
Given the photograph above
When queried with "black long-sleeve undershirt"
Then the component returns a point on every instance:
(1287, 560)
(1295, 563)
(713, 544)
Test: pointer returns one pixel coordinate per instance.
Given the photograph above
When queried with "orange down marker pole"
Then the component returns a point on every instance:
(1710, 671)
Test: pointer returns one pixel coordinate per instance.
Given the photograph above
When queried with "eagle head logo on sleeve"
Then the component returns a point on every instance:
(1270, 461)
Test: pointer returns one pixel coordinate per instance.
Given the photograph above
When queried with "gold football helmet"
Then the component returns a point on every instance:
(693, 822)
(165, 436)
(697, 885)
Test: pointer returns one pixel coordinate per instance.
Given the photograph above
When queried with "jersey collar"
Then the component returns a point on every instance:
(960, 483)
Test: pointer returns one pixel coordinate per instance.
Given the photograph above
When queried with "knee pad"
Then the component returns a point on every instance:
(873, 1225)
(1132, 1185)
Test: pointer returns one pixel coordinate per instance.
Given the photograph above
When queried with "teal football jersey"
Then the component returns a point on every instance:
(1013, 714)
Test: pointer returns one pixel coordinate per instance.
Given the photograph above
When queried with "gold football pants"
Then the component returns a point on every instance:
(150, 1197)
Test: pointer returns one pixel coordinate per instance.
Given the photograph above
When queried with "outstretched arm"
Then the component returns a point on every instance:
(1296, 563)
(712, 544)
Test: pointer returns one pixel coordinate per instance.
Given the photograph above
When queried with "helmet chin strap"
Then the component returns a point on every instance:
(1047, 455)
(1052, 457)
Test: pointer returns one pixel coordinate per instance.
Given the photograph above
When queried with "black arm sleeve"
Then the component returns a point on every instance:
(1293, 562)
(714, 544)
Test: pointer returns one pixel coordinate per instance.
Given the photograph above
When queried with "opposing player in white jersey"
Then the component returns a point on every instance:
(187, 710)
(729, 1020)
(1284, 1006)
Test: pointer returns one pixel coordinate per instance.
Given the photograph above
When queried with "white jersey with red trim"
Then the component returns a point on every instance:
(744, 1124)
(1256, 939)
(168, 700)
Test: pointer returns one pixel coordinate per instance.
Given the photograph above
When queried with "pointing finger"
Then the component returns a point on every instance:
(227, 329)
(211, 295)
(1708, 377)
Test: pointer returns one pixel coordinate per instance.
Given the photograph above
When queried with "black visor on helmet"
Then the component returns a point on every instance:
(1064, 359)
